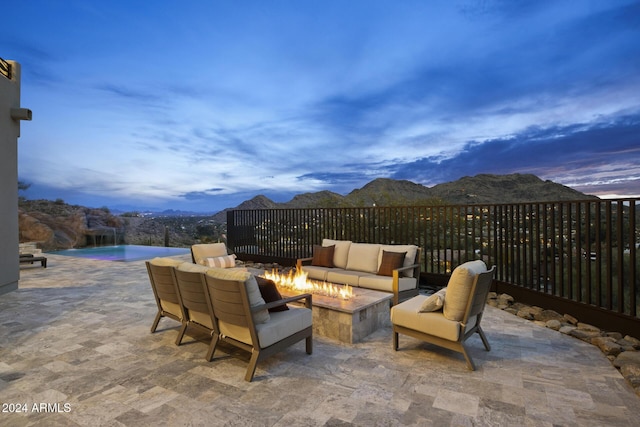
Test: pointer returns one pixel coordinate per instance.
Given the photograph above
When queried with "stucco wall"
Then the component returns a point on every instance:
(9, 133)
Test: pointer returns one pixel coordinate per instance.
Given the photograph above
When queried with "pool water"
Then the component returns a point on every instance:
(122, 253)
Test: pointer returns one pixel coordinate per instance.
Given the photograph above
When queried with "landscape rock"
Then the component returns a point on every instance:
(553, 324)
(607, 345)
(584, 335)
(546, 315)
(570, 319)
(633, 341)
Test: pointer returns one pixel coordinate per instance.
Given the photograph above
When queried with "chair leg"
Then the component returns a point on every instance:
(212, 347)
(251, 369)
(309, 344)
(483, 337)
(395, 341)
(155, 322)
(183, 329)
(470, 363)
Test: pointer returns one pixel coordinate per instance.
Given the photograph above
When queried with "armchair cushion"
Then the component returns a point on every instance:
(459, 288)
(165, 262)
(203, 251)
(390, 261)
(434, 302)
(281, 325)
(323, 256)
(433, 323)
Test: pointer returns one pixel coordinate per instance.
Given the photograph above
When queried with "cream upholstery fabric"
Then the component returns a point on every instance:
(281, 325)
(201, 318)
(408, 259)
(434, 302)
(433, 323)
(316, 272)
(208, 250)
(165, 262)
(171, 307)
(459, 288)
(385, 283)
(363, 257)
(193, 268)
(346, 277)
(341, 252)
(253, 291)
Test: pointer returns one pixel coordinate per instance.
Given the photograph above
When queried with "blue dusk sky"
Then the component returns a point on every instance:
(200, 105)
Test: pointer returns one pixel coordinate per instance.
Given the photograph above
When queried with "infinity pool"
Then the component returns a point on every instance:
(122, 253)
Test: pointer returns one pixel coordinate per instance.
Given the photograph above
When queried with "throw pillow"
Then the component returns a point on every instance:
(390, 261)
(226, 261)
(434, 302)
(323, 256)
(270, 293)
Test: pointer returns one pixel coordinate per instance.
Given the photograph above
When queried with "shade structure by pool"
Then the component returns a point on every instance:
(123, 253)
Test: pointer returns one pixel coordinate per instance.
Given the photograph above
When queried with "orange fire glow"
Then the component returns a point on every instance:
(299, 282)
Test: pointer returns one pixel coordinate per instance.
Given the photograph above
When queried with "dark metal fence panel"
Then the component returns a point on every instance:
(585, 252)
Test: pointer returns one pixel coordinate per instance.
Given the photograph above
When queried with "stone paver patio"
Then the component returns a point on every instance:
(75, 341)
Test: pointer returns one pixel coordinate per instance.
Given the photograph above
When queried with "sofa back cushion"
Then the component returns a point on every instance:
(340, 253)
(409, 258)
(363, 257)
(458, 289)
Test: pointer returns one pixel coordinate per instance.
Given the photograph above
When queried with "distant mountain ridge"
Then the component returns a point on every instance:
(483, 188)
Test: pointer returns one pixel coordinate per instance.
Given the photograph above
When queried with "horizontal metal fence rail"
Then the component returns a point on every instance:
(577, 257)
(5, 69)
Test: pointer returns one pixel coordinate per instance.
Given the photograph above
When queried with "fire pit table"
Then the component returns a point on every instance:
(349, 320)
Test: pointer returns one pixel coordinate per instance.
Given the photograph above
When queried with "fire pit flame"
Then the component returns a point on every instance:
(298, 281)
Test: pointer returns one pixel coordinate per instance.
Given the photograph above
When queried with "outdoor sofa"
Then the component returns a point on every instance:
(387, 268)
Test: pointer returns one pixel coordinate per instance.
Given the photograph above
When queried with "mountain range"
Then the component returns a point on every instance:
(479, 189)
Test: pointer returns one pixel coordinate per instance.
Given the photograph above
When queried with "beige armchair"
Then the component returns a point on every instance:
(448, 318)
(189, 279)
(242, 318)
(160, 272)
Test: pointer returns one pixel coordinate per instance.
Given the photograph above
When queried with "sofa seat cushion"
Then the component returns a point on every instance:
(316, 273)
(281, 325)
(363, 257)
(345, 277)
(385, 283)
(409, 258)
(340, 253)
(433, 323)
(459, 288)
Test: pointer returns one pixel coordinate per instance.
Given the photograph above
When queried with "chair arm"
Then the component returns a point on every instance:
(272, 304)
(303, 261)
(408, 267)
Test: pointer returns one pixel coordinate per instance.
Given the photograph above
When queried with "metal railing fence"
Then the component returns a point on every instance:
(576, 257)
